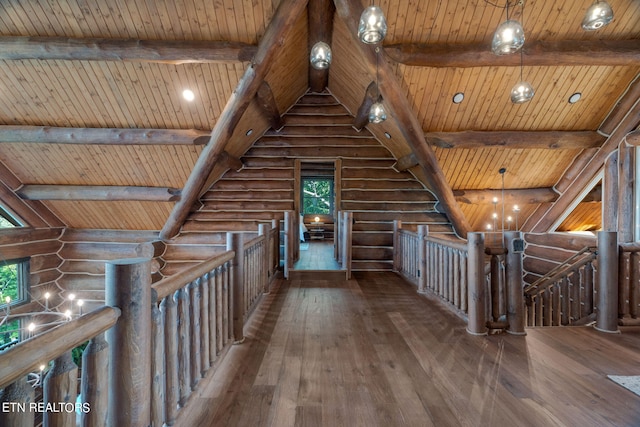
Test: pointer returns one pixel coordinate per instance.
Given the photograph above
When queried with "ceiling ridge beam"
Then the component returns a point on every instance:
(559, 140)
(396, 101)
(134, 50)
(105, 136)
(519, 196)
(320, 21)
(283, 20)
(98, 193)
(535, 53)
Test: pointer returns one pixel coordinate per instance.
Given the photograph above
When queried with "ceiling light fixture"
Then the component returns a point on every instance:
(188, 95)
(523, 91)
(575, 98)
(458, 98)
(320, 56)
(597, 16)
(373, 26)
(377, 114)
(508, 37)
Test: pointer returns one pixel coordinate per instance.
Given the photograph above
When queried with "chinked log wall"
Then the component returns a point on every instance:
(316, 128)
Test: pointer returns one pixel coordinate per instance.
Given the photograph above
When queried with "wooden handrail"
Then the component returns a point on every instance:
(629, 247)
(171, 284)
(561, 267)
(453, 245)
(26, 356)
(253, 241)
(540, 285)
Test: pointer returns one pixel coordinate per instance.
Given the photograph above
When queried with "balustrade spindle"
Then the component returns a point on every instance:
(18, 392)
(94, 382)
(184, 358)
(61, 387)
(194, 332)
(169, 306)
(205, 322)
(158, 368)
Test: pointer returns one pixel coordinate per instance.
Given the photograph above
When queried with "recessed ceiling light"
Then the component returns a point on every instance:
(458, 97)
(575, 98)
(188, 95)
(249, 132)
(388, 135)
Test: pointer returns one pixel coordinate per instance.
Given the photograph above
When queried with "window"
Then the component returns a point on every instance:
(14, 284)
(317, 195)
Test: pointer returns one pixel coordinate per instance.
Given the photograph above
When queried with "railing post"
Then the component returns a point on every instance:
(128, 287)
(235, 243)
(275, 223)
(94, 382)
(397, 225)
(476, 316)
(264, 273)
(288, 242)
(18, 392)
(607, 305)
(422, 258)
(515, 294)
(60, 385)
(347, 251)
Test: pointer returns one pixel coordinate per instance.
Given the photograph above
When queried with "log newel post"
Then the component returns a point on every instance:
(397, 225)
(61, 385)
(607, 304)
(422, 258)
(610, 193)
(288, 242)
(515, 293)
(347, 236)
(94, 382)
(235, 244)
(20, 391)
(128, 287)
(476, 299)
(264, 276)
(276, 245)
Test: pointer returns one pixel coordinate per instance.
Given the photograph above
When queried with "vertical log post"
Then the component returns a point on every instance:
(288, 242)
(264, 274)
(397, 225)
(61, 385)
(235, 243)
(128, 287)
(610, 193)
(275, 224)
(348, 227)
(607, 305)
(422, 258)
(157, 362)
(169, 307)
(477, 317)
(94, 382)
(21, 392)
(515, 294)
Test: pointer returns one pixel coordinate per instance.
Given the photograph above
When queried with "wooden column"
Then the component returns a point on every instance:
(288, 242)
(347, 249)
(422, 259)
(610, 193)
(397, 225)
(61, 386)
(235, 243)
(476, 314)
(607, 305)
(94, 382)
(276, 224)
(128, 286)
(515, 293)
(262, 231)
(18, 392)
(626, 179)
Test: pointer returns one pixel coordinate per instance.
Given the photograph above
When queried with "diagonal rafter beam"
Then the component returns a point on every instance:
(283, 20)
(320, 18)
(349, 11)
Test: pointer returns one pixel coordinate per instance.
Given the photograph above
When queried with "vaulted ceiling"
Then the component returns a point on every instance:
(94, 132)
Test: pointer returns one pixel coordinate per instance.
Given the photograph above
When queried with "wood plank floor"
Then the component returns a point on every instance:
(371, 352)
(319, 255)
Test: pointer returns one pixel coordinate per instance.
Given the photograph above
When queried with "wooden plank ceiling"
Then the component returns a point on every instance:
(120, 67)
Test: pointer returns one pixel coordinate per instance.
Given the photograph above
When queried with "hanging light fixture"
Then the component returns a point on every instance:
(523, 91)
(320, 56)
(597, 16)
(377, 114)
(373, 25)
(508, 37)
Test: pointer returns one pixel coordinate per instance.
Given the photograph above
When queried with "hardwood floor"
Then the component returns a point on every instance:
(317, 256)
(371, 352)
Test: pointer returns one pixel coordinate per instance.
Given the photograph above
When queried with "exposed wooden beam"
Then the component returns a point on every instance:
(406, 162)
(545, 216)
(633, 138)
(402, 113)
(516, 139)
(231, 162)
(98, 192)
(284, 18)
(267, 103)
(622, 107)
(518, 196)
(362, 116)
(106, 136)
(320, 18)
(98, 49)
(536, 53)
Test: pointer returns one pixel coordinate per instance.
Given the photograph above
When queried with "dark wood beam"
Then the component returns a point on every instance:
(267, 103)
(562, 140)
(406, 162)
(362, 116)
(622, 107)
(283, 20)
(98, 192)
(535, 53)
(320, 18)
(545, 216)
(106, 136)
(98, 49)
(402, 113)
(633, 138)
(517, 196)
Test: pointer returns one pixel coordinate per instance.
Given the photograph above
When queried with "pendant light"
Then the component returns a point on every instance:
(320, 56)
(377, 114)
(597, 16)
(523, 91)
(508, 37)
(373, 26)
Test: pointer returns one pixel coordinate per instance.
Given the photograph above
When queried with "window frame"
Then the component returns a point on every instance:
(23, 271)
(332, 194)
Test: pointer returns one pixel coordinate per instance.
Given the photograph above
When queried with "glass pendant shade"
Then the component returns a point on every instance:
(377, 113)
(373, 25)
(597, 16)
(320, 56)
(508, 38)
(522, 92)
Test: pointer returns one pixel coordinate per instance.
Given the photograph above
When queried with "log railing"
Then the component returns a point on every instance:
(629, 283)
